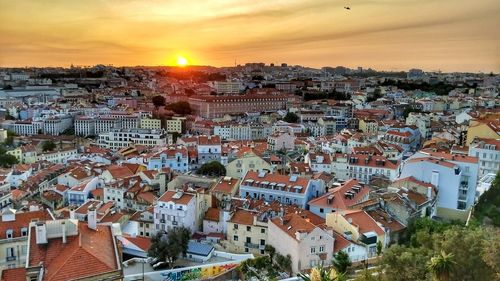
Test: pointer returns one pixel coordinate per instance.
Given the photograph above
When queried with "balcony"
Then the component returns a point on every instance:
(251, 245)
(13, 258)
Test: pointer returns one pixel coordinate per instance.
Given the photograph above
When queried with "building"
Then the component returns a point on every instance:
(488, 153)
(176, 125)
(70, 250)
(249, 161)
(227, 87)
(149, 123)
(79, 194)
(364, 167)
(485, 129)
(247, 232)
(340, 198)
(309, 245)
(175, 158)
(120, 138)
(14, 235)
(216, 107)
(58, 156)
(360, 227)
(319, 162)
(368, 126)
(285, 189)
(281, 140)
(174, 209)
(209, 149)
(455, 177)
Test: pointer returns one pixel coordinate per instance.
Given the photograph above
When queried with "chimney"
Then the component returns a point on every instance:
(435, 178)
(41, 233)
(92, 218)
(72, 214)
(63, 224)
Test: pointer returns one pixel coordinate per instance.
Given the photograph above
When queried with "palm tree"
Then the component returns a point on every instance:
(320, 273)
(441, 266)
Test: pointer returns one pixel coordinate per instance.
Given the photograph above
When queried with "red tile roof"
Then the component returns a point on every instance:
(292, 223)
(338, 196)
(168, 196)
(14, 274)
(451, 157)
(364, 221)
(243, 217)
(276, 178)
(22, 220)
(225, 185)
(212, 214)
(87, 254)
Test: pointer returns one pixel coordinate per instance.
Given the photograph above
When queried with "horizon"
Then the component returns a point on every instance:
(447, 36)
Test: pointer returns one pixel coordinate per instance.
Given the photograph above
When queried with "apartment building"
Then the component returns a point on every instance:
(14, 235)
(247, 232)
(281, 140)
(149, 123)
(308, 244)
(94, 125)
(216, 107)
(455, 177)
(285, 189)
(249, 161)
(488, 153)
(209, 149)
(58, 156)
(173, 209)
(364, 167)
(176, 125)
(340, 198)
(175, 158)
(227, 87)
(120, 138)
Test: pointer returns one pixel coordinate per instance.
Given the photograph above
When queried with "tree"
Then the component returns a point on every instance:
(486, 209)
(379, 248)
(291, 117)
(284, 262)
(48, 145)
(400, 263)
(271, 251)
(181, 107)
(341, 261)
(175, 136)
(7, 160)
(168, 247)
(213, 168)
(320, 273)
(158, 101)
(441, 266)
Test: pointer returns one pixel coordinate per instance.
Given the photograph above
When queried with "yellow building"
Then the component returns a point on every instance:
(358, 226)
(487, 129)
(148, 123)
(247, 162)
(18, 153)
(368, 126)
(245, 233)
(176, 125)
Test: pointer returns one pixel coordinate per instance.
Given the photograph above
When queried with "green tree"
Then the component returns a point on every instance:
(341, 261)
(181, 107)
(175, 136)
(168, 247)
(320, 273)
(401, 263)
(487, 209)
(291, 117)
(441, 266)
(158, 101)
(213, 168)
(48, 146)
(284, 262)
(7, 160)
(271, 251)
(379, 248)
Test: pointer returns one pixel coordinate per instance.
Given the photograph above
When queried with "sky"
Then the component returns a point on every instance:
(446, 35)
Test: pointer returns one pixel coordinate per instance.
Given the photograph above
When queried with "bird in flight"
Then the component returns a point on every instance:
(347, 8)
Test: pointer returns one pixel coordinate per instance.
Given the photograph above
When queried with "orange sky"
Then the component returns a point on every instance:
(448, 35)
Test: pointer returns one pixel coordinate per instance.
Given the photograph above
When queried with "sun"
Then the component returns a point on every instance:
(181, 61)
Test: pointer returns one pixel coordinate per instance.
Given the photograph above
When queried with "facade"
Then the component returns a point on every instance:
(285, 189)
(209, 149)
(281, 140)
(308, 245)
(246, 232)
(216, 107)
(488, 153)
(364, 167)
(227, 87)
(247, 162)
(79, 194)
(175, 158)
(120, 138)
(173, 209)
(149, 123)
(59, 156)
(176, 125)
(455, 177)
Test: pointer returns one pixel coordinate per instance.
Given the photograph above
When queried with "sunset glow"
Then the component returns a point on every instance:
(182, 61)
(443, 35)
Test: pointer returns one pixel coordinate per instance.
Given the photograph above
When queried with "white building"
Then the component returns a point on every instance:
(174, 209)
(455, 177)
(227, 87)
(119, 138)
(488, 153)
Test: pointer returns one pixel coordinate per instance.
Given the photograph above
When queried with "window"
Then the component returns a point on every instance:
(262, 230)
(313, 250)
(321, 210)
(235, 238)
(249, 228)
(10, 233)
(235, 226)
(24, 231)
(262, 242)
(321, 248)
(249, 239)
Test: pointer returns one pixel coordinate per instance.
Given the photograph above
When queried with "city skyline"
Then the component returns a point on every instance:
(384, 35)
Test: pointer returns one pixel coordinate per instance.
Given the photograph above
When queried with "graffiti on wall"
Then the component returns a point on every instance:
(199, 273)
